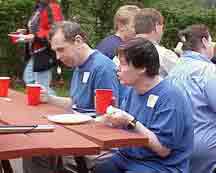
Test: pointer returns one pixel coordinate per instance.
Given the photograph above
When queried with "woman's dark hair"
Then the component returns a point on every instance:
(141, 53)
(192, 36)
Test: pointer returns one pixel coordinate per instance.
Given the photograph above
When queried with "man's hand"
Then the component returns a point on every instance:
(43, 95)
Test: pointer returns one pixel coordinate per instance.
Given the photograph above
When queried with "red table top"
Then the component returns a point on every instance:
(108, 137)
(61, 141)
(84, 139)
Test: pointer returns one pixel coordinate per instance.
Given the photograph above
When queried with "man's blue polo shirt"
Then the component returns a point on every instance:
(98, 72)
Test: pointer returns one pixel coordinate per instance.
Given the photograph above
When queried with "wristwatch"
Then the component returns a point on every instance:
(132, 124)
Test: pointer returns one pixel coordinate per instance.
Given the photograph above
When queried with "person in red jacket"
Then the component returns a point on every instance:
(46, 12)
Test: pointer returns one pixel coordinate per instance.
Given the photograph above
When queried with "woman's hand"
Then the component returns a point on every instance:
(118, 118)
(28, 37)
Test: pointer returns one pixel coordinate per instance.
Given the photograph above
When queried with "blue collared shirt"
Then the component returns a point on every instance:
(195, 75)
(98, 72)
(160, 111)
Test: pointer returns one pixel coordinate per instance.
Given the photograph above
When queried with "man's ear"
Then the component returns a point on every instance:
(78, 39)
(142, 71)
(121, 27)
(158, 27)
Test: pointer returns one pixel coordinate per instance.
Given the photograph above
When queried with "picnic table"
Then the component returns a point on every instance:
(78, 140)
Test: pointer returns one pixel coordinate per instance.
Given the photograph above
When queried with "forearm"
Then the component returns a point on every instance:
(64, 102)
(119, 118)
(154, 143)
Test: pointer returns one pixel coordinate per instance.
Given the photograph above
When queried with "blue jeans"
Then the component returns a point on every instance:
(120, 164)
(44, 78)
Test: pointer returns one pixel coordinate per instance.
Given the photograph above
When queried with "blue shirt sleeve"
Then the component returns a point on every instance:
(210, 93)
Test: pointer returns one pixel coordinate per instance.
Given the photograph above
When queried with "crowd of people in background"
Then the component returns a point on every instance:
(166, 95)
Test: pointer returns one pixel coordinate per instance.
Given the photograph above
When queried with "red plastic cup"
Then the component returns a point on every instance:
(33, 94)
(4, 85)
(14, 37)
(103, 99)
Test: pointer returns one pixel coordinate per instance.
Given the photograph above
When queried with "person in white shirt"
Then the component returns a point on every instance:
(149, 24)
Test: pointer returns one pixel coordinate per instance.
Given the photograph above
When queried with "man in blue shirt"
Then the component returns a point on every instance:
(95, 73)
(154, 108)
(124, 30)
(195, 75)
(93, 70)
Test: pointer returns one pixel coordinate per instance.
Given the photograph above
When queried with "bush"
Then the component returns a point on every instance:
(180, 14)
(13, 15)
(96, 16)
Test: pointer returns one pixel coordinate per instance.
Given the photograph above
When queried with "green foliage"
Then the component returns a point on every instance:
(179, 14)
(96, 17)
(13, 15)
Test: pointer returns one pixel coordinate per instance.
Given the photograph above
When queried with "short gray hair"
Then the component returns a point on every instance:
(70, 30)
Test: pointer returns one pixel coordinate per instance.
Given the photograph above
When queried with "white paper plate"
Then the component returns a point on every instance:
(70, 118)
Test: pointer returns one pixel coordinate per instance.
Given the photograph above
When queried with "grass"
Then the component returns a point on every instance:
(60, 89)
(18, 87)
(63, 91)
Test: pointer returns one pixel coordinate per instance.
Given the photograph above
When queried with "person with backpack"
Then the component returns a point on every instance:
(41, 57)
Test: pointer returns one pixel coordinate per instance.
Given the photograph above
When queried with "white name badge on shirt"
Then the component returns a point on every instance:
(152, 100)
(85, 77)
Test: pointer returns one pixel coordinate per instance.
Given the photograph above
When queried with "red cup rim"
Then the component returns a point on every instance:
(15, 34)
(103, 89)
(33, 85)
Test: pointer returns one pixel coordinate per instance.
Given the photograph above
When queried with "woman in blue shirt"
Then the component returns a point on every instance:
(195, 75)
(151, 108)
